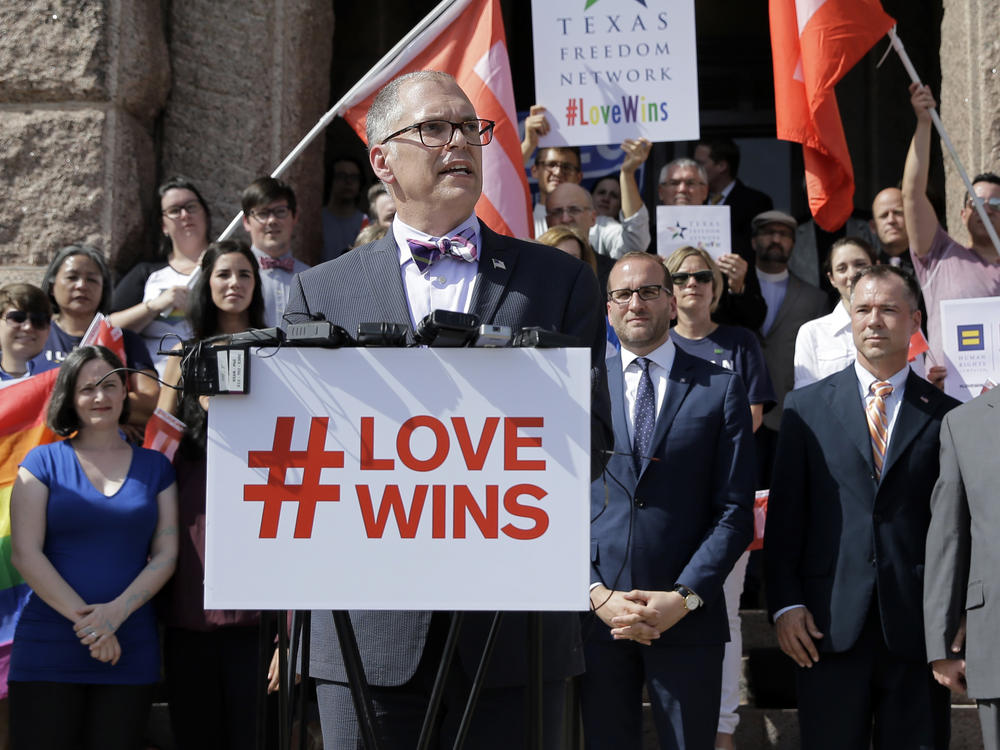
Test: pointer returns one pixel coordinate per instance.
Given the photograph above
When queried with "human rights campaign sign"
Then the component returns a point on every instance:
(607, 70)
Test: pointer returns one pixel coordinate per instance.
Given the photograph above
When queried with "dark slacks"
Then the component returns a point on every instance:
(868, 696)
(212, 680)
(683, 682)
(72, 716)
(989, 719)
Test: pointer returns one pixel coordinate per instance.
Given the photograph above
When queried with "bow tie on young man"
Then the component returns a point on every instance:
(285, 264)
(459, 246)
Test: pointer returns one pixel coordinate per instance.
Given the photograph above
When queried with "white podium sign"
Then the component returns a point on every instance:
(616, 69)
(704, 227)
(402, 479)
(970, 335)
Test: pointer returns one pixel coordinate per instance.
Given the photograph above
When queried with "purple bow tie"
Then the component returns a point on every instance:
(285, 264)
(459, 246)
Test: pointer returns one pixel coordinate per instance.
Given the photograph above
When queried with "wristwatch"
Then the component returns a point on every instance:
(691, 600)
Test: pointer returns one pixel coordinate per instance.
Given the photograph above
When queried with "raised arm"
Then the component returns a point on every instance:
(534, 126)
(636, 153)
(921, 221)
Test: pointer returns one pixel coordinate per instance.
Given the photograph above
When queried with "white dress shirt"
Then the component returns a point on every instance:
(824, 346)
(275, 286)
(661, 360)
(447, 284)
(615, 238)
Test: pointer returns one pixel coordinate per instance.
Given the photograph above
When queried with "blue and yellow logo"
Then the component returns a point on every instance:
(970, 338)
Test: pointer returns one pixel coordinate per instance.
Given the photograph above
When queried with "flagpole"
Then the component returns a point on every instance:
(897, 45)
(346, 99)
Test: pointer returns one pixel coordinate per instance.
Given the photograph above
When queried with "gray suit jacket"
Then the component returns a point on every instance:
(518, 284)
(962, 567)
(803, 302)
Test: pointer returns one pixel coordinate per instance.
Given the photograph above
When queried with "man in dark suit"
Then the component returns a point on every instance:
(425, 145)
(790, 303)
(960, 576)
(721, 160)
(671, 515)
(844, 545)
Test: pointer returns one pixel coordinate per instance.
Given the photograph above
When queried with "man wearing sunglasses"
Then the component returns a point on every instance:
(269, 217)
(669, 520)
(24, 328)
(945, 268)
(426, 145)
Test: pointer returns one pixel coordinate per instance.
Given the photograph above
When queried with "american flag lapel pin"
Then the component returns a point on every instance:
(497, 263)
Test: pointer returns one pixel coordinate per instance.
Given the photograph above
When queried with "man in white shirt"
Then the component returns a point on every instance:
(269, 216)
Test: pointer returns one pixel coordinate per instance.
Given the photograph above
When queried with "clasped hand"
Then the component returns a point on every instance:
(638, 615)
(96, 626)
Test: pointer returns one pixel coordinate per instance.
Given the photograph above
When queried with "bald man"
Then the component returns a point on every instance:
(569, 203)
(889, 224)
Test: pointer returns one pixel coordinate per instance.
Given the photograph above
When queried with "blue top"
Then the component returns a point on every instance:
(98, 544)
(59, 344)
(34, 366)
(734, 348)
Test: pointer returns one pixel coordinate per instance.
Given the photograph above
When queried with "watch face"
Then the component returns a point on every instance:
(691, 601)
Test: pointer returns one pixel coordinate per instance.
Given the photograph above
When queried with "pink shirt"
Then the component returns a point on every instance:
(951, 271)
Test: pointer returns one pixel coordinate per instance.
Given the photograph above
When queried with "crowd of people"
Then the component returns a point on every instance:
(716, 376)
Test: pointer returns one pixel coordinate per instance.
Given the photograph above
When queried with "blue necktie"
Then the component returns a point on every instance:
(644, 418)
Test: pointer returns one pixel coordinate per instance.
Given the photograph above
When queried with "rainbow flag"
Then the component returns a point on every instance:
(22, 427)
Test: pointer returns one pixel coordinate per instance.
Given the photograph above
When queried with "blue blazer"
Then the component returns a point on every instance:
(835, 535)
(518, 284)
(688, 515)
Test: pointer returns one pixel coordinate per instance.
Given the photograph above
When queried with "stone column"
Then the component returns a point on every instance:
(970, 96)
(80, 86)
(251, 77)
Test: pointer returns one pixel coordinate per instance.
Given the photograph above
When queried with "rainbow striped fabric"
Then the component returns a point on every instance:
(22, 427)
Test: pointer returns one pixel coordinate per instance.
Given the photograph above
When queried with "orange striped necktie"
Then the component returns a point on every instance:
(878, 424)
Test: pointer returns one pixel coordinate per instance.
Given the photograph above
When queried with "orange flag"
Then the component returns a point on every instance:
(814, 43)
(467, 40)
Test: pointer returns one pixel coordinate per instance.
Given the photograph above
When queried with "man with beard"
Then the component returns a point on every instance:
(670, 518)
(790, 303)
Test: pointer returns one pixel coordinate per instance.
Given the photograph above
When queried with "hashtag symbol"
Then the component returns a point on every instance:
(312, 461)
(571, 112)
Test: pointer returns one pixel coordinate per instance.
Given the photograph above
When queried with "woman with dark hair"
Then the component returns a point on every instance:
(151, 299)
(607, 194)
(78, 285)
(211, 656)
(826, 345)
(94, 533)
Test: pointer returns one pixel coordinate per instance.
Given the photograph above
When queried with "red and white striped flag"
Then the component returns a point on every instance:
(814, 43)
(466, 39)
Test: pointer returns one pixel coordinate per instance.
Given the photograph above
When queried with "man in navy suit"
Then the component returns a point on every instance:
(426, 144)
(670, 516)
(848, 514)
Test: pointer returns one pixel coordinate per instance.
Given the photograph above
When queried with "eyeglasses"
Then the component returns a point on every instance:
(646, 293)
(681, 277)
(17, 317)
(685, 183)
(573, 211)
(192, 208)
(563, 166)
(992, 205)
(264, 214)
(436, 133)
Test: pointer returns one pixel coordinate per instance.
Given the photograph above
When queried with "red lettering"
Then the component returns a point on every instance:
(512, 442)
(403, 443)
(439, 517)
(512, 506)
(465, 502)
(392, 502)
(474, 460)
(368, 460)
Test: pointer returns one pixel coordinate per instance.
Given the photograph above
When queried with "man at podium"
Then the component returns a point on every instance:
(426, 145)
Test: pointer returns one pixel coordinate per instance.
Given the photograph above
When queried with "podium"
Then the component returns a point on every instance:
(402, 479)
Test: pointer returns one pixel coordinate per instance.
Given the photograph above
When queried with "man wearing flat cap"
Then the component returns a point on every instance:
(790, 303)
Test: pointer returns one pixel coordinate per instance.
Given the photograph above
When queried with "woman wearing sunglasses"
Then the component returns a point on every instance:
(697, 287)
(24, 327)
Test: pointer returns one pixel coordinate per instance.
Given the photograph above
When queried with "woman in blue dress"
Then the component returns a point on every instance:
(94, 534)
